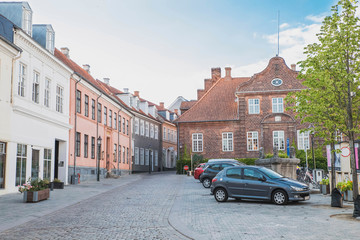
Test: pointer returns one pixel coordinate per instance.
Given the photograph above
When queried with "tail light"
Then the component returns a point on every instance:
(214, 180)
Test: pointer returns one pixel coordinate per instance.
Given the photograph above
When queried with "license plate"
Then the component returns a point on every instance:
(307, 198)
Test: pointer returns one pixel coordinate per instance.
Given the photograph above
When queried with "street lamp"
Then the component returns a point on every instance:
(98, 158)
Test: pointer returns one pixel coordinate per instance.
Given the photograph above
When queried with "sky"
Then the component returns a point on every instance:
(166, 48)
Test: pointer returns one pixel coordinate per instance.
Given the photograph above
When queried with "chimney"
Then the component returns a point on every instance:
(293, 67)
(162, 105)
(215, 73)
(126, 90)
(107, 81)
(228, 72)
(65, 51)
(86, 67)
(137, 93)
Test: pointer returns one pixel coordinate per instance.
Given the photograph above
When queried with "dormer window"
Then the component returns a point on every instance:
(50, 41)
(27, 21)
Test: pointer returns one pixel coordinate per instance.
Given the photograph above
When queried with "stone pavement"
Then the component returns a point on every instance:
(167, 206)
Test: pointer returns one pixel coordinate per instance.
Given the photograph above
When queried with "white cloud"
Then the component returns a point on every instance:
(316, 19)
(284, 25)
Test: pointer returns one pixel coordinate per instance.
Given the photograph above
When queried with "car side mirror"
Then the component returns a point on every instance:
(263, 179)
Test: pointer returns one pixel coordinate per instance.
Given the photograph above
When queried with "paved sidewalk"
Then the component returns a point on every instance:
(14, 212)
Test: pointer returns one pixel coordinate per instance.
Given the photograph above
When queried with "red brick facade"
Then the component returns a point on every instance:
(224, 108)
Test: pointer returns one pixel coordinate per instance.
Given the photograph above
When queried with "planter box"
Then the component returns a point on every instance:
(350, 196)
(324, 189)
(37, 195)
(58, 185)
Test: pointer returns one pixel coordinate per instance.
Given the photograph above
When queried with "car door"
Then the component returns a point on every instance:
(234, 183)
(254, 186)
(213, 169)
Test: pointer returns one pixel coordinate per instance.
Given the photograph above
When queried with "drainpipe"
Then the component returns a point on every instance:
(128, 132)
(118, 163)
(12, 76)
(75, 125)
(97, 136)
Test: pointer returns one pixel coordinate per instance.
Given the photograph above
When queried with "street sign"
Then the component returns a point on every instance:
(186, 167)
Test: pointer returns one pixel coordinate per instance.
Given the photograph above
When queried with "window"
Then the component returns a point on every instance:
(278, 140)
(127, 127)
(78, 101)
(156, 156)
(47, 164)
(93, 147)
(156, 132)
(36, 87)
(234, 173)
(303, 140)
(136, 126)
(252, 141)
(105, 115)
(227, 142)
(215, 167)
(277, 105)
(137, 156)
(22, 79)
(92, 109)
(119, 154)
(147, 157)
(115, 150)
(110, 118)
(26, 21)
(59, 99)
(147, 129)
(127, 155)
(86, 145)
(197, 142)
(21, 155)
(99, 113)
(142, 127)
(124, 125)
(142, 156)
(47, 93)
(50, 41)
(86, 106)
(119, 123)
(151, 130)
(164, 134)
(254, 106)
(115, 121)
(168, 135)
(252, 174)
(123, 154)
(77, 144)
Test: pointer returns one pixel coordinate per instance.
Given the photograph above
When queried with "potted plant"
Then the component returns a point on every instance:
(35, 190)
(324, 186)
(58, 184)
(349, 190)
(342, 186)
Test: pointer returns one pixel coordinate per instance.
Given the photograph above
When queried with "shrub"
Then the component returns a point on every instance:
(247, 161)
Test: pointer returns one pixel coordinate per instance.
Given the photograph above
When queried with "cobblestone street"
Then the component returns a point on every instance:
(168, 206)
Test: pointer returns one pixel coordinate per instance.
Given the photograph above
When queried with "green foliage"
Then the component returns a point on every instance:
(247, 161)
(56, 180)
(34, 185)
(281, 154)
(324, 181)
(320, 160)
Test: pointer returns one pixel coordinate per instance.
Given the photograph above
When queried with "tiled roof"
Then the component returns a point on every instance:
(217, 104)
(187, 104)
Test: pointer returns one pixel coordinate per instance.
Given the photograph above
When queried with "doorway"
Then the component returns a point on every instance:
(56, 160)
(2, 164)
(35, 164)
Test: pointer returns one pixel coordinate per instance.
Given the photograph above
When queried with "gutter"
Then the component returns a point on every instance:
(97, 136)
(75, 128)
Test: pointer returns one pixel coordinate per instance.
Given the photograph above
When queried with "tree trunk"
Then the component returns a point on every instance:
(333, 177)
(356, 212)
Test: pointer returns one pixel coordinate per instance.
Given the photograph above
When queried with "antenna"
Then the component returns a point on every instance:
(278, 32)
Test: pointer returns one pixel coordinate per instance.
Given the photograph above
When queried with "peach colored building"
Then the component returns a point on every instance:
(95, 114)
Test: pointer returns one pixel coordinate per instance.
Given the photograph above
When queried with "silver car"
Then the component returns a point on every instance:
(257, 183)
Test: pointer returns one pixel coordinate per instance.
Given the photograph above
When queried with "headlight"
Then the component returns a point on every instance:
(296, 188)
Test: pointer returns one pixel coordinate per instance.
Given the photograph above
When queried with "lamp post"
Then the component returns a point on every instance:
(149, 160)
(98, 158)
(312, 148)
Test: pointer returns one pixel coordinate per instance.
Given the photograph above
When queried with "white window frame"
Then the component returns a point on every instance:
(164, 134)
(137, 159)
(303, 140)
(147, 134)
(142, 156)
(227, 142)
(22, 80)
(156, 132)
(36, 87)
(279, 140)
(277, 105)
(27, 21)
(47, 92)
(147, 157)
(197, 142)
(156, 156)
(254, 106)
(142, 127)
(151, 130)
(59, 99)
(252, 141)
(136, 126)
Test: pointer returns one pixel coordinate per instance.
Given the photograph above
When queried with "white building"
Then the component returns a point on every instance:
(34, 127)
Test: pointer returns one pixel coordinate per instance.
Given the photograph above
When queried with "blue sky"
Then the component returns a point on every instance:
(166, 48)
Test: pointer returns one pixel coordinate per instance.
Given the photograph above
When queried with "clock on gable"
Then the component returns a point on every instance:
(276, 82)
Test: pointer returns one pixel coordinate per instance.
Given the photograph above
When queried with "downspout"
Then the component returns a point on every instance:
(75, 128)
(118, 163)
(97, 136)
(12, 76)
(130, 149)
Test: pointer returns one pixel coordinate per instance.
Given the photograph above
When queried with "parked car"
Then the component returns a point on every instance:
(211, 169)
(257, 183)
(198, 170)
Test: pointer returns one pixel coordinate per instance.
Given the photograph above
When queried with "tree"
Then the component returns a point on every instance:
(331, 73)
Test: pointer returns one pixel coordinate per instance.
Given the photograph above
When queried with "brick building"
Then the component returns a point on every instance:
(233, 117)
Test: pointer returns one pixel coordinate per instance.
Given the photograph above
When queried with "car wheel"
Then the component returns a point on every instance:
(279, 197)
(206, 182)
(220, 195)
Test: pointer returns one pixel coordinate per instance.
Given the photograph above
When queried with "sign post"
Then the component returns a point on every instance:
(186, 167)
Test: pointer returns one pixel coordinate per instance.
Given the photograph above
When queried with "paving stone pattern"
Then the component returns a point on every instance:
(167, 206)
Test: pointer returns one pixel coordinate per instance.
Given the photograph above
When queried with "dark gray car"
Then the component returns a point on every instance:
(211, 169)
(257, 183)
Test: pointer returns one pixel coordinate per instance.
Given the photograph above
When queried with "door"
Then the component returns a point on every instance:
(254, 187)
(234, 182)
(56, 160)
(108, 167)
(2, 164)
(35, 164)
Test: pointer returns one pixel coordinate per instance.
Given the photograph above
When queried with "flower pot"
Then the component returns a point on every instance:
(327, 189)
(345, 195)
(350, 195)
(36, 196)
(58, 185)
(323, 189)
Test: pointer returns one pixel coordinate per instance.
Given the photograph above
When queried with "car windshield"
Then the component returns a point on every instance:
(270, 173)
